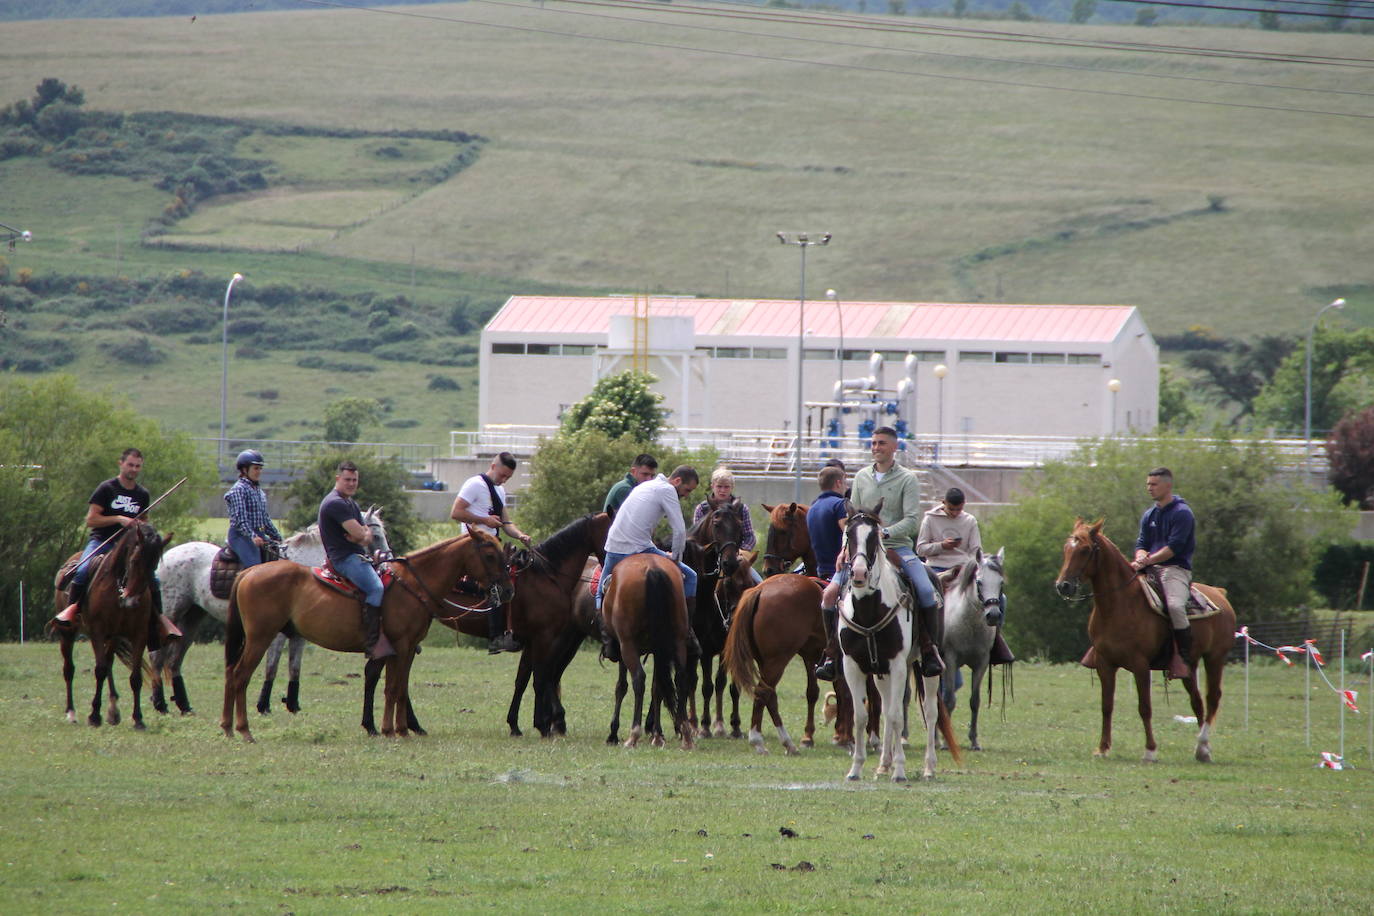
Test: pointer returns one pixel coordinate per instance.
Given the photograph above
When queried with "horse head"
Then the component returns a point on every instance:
(135, 561)
(732, 586)
(372, 520)
(1080, 557)
(725, 530)
(863, 542)
(484, 559)
(989, 580)
(788, 539)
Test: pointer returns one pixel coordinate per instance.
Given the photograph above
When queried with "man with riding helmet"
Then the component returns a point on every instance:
(250, 526)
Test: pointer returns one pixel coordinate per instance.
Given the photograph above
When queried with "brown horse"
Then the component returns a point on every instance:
(713, 551)
(1125, 633)
(117, 615)
(546, 587)
(645, 609)
(273, 596)
(788, 540)
(774, 622)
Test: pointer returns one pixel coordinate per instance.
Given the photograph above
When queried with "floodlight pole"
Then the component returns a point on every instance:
(803, 241)
(1307, 387)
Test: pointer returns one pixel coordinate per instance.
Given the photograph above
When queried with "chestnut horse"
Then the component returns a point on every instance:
(542, 618)
(645, 609)
(117, 615)
(773, 623)
(272, 596)
(1126, 633)
(788, 540)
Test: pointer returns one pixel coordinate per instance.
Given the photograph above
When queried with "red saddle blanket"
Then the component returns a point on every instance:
(594, 581)
(327, 576)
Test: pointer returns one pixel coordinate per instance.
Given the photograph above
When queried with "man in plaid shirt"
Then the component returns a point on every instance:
(249, 524)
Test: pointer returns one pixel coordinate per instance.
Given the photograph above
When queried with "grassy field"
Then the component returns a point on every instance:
(649, 150)
(316, 817)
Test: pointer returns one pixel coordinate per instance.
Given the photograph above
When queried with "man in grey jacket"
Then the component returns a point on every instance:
(949, 537)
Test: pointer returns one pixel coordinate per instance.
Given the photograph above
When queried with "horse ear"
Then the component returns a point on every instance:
(747, 558)
(978, 555)
(848, 508)
(470, 532)
(1097, 525)
(767, 508)
(878, 509)
(791, 508)
(610, 512)
(167, 539)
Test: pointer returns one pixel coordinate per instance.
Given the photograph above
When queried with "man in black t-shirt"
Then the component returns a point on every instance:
(116, 504)
(345, 539)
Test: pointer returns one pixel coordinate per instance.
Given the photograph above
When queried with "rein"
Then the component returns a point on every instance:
(870, 634)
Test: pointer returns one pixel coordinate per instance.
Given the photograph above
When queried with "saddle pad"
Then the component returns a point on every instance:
(1199, 605)
(594, 581)
(328, 577)
(223, 568)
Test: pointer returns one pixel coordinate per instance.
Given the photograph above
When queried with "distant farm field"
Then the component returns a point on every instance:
(1212, 176)
(316, 817)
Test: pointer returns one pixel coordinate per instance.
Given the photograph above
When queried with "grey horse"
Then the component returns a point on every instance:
(973, 612)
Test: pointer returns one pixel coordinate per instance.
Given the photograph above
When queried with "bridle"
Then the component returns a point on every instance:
(870, 557)
(1094, 553)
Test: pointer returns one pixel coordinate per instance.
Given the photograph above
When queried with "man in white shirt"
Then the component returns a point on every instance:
(632, 532)
(481, 501)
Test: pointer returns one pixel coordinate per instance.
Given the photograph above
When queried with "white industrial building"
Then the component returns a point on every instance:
(946, 369)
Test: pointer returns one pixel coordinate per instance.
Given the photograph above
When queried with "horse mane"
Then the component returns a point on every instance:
(1108, 546)
(554, 549)
(968, 571)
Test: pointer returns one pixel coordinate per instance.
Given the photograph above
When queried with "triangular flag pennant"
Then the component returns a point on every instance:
(1332, 761)
(1349, 697)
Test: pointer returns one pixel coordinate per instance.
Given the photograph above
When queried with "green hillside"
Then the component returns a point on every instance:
(632, 152)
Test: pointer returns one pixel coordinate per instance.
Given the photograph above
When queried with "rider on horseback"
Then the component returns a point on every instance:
(481, 501)
(825, 523)
(345, 540)
(1166, 541)
(250, 526)
(115, 505)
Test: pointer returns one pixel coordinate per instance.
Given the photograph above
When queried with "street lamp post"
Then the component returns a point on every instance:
(940, 370)
(224, 365)
(1114, 385)
(1307, 387)
(15, 235)
(803, 241)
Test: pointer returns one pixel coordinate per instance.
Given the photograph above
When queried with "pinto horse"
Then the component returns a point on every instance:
(117, 615)
(717, 536)
(272, 596)
(788, 540)
(646, 611)
(1126, 633)
(973, 612)
(542, 605)
(877, 631)
(773, 623)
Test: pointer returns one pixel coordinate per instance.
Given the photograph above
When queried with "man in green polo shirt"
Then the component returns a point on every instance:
(644, 468)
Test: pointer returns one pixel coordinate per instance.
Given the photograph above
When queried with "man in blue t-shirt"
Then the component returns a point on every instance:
(345, 539)
(825, 523)
(1166, 542)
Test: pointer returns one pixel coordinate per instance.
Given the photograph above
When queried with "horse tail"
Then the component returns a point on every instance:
(942, 721)
(658, 605)
(738, 654)
(233, 627)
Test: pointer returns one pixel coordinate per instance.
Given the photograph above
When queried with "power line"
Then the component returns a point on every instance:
(1245, 9)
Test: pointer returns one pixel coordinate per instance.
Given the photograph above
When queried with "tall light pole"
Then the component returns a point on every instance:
(839, 314)
(15, 235)
(224, 365)
(940, 370)
(803, 241)
(1114, 385)
(1307, 387)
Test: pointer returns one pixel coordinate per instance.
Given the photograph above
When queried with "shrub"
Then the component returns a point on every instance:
(444, 383)
(138, 350)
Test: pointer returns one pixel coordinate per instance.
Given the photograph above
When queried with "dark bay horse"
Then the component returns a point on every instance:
(788, 540)
(773, 623)
(1126, 633)
(117, 615)
(645, 609)
(545, 590)
(272, 596)
(717, 558)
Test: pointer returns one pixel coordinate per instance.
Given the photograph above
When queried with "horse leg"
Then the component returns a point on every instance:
(1142, 690)
(68, 673)
(653, 723)
(112, 715)
(769, 675)
(136, 686)
(1215, 664)
(522, 682)
(236, 678)
(856, 681)
(102, 674)
(813, 693)
(620, 686)
(734, 706)
(167, 663)
(930, 713)
(637, 680)
(1106, 677)
(157, 662)
(372, 671)
(269, 673)
(292, 700)
(708, 685)
(398, 693)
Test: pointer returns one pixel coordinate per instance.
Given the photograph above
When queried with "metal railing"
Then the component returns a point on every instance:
(774, 451)
(294, 453)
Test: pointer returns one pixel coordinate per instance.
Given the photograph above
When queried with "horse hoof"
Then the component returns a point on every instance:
(516, 733)
(419, 732)
(1150, 757)
(718, 730)
(657, 741)
(114, 717)
(736, 733)
(188, 711)
(792, 750)
(853, 777)
(71, 717)
(899, 779)
(1203, 754)
(139, 726)
(161, 708)
(94, 721)
(975, 746)
(808, 742)
(631, 742)
(248, 738)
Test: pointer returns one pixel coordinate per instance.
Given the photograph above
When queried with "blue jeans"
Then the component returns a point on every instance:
(83, 572)
(916, 573)
(359, 571)
(249, 554)
(689, 576)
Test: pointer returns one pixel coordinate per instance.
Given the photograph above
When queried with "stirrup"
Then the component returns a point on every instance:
(825, 671)
(506, 642)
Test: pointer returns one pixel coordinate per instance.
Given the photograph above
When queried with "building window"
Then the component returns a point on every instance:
(1013, 357)
(975, 356)
(732, 353)
(929, 356)
(857, 355)
(507, 348)
(578, 349)
(770, 353)
(1047, 359)
(1085, 359)
(820, 354)
(541, 349)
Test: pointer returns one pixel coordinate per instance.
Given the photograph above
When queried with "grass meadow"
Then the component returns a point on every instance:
(316, 817)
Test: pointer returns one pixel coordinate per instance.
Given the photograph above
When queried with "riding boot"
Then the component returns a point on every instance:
(292, 700)
(375, 643)
(927, 622)
(161, 630)
(1179, 664)
(825, 671)
(265, 696)
(1000, 654)
(500, 639)
(66, 618)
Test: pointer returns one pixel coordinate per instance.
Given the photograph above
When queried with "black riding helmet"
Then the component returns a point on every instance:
(248, 458)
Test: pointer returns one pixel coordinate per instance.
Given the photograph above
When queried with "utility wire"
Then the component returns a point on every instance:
(1246, 9)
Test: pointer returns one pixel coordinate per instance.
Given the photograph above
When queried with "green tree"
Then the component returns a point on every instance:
(1350, 451)
(1177, 410)
(381, 482)
(1341, 382)
(619, 405)
(1239, 371)
(1257, 535)
(570, 474)
(47, 93)
(1269, 20)
(346, 418)
(1083, 10)
(1146, 16)
(57, 443)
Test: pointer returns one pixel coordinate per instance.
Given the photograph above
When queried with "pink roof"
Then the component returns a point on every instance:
(778, 318)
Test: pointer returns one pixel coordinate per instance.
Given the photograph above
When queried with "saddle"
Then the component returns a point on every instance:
(1199, 605)
(223, 568)
(910, 590)
(328, 577)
